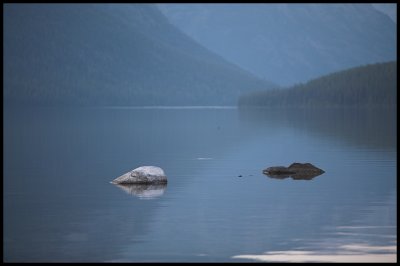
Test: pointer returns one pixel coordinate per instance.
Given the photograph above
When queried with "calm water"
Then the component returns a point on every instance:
(217, 206)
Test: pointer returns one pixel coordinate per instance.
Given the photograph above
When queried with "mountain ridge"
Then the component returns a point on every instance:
(289, 43)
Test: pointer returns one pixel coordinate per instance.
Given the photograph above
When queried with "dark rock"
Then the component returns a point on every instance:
(278, 170)
(297, 171)
(305, 168)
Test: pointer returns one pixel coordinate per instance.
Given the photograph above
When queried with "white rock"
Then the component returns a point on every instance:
(142, 175)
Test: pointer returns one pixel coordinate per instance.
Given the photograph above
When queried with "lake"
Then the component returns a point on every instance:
(59, 204)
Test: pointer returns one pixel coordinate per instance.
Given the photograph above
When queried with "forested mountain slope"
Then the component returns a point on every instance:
(370, 85)
(111, 54)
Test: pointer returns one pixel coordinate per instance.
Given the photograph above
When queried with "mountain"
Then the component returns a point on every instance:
(289, 43)
(369, 85)
(110, 54)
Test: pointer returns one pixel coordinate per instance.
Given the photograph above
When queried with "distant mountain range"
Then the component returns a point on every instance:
(365, 86)
(106, 54)
(289, 43)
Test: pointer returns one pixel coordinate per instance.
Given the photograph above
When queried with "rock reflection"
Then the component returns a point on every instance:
(144, 191)
(298, 176)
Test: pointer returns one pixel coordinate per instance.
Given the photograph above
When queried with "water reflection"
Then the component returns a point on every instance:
(198, 147)
(298, 176)
(144, 191)
(339, 249)
(361, 127)
(355, 252)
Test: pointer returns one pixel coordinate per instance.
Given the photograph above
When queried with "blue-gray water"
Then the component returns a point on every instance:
(60, 206)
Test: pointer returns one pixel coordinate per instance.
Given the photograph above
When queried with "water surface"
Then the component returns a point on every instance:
(217, 205)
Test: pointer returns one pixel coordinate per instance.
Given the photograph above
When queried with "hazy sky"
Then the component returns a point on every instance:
(388, 9)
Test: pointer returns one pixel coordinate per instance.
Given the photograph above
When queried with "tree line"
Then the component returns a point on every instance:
(368, 85)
